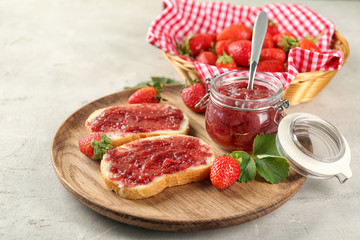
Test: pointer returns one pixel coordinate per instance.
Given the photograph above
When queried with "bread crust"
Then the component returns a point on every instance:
(191, 174)
(119, 139)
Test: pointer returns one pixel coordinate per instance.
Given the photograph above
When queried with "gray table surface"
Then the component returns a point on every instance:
(56, 56)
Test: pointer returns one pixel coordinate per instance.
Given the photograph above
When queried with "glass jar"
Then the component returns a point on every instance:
(235, 115)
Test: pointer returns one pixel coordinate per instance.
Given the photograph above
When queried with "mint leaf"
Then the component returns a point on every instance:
(272, 169)
(155, 81)
(265, 144)
(247, 166)
(164, 80)
(100, 148)
(139, 85)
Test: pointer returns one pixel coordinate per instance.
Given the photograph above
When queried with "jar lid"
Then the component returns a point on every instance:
(314, 147)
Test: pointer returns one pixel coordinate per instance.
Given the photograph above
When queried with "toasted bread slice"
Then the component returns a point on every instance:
(120, 136)
(145, 167)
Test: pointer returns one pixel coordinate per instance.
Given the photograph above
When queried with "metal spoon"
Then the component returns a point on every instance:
(258, 36)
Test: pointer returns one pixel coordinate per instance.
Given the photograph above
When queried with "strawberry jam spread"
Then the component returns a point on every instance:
(148, 159)
(137, 118)
(235, 115)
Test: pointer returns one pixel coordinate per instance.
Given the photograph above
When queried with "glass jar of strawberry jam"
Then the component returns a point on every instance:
(235, 114)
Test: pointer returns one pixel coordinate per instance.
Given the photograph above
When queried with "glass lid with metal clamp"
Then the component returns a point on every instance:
(314, 147)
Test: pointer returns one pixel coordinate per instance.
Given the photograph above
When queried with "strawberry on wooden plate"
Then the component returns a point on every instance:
(145, 95)
(95, 145)
(192, 94)
(150, 91)
(224, 172)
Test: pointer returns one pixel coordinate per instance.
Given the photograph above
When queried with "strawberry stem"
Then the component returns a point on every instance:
(314, 39)
(225, 58)
(288, 43)
(184, 48)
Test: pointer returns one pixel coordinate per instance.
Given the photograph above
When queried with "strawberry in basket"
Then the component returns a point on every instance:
(196, 43)
(234, 43)
(234, 33)
(182, 18)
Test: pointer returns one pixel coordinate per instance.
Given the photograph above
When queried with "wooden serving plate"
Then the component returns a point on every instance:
(191, 207)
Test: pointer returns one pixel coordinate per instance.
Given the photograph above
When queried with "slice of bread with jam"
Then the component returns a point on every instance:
(145, 167)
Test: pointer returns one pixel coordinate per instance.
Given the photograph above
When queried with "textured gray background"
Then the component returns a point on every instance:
(56, 56)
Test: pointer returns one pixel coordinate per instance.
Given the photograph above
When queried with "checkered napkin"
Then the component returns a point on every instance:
(180, 18)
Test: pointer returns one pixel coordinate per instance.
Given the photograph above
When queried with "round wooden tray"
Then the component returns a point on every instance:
(191, 207)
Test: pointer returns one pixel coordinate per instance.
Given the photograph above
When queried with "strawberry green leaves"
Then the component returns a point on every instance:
(247, 166)
(270, 163)
(265, 160)
(265, 144)
(272, 169)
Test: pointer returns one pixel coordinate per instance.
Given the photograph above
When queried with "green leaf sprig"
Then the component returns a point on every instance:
(100, 148)
(156, 82)
(266, 160)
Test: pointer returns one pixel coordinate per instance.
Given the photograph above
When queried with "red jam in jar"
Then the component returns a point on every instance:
(235, 114)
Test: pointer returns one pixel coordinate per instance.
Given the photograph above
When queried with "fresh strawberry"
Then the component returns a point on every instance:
(273, 53)
(307, 44)
(282, 40)
(95, 145)
(225, 61)
(195, 44)
(145, 95)
(85, 144)
(268, 42)
(270, 66)
(234, 33)
(192, 94)
(272, 28)
(224, 172)
(240, 51)
(201, 42)
(221, 47)
(207, 58)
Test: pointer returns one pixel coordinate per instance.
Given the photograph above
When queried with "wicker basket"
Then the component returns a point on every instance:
(303, 88)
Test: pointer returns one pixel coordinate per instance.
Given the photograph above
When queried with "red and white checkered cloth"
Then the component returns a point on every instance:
(180, 18)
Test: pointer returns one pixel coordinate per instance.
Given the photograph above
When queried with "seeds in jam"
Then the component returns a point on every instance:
(137, 118)
(150, 158)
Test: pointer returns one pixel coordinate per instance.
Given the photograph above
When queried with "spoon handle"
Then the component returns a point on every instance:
(258, 36)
